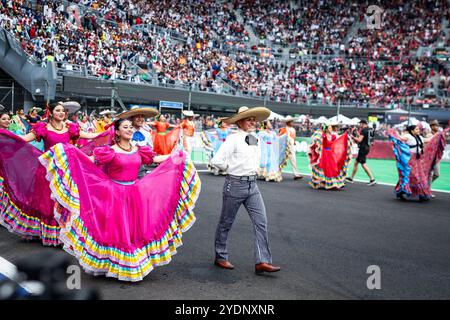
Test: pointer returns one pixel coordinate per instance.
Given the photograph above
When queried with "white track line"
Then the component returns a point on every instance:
(356, 180)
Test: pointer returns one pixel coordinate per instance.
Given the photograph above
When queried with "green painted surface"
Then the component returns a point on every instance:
(385, 171)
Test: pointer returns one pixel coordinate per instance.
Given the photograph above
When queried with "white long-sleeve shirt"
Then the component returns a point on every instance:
(148, 138)
(236, 157)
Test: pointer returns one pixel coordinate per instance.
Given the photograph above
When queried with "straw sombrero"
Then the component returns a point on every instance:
(260, 113)
(147, 112)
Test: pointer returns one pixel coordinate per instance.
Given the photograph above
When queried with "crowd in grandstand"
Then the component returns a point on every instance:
(421, 25)
(377, 67)
(316, 27)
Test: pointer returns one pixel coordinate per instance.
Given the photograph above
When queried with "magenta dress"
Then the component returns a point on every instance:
(25, 204)
(114, 224)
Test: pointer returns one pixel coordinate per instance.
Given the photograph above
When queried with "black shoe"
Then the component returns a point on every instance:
(349, 179)
(372, 183)
(401, 197)
(424, 198)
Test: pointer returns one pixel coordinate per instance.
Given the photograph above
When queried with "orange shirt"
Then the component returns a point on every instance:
(291, 131)
(188, 128)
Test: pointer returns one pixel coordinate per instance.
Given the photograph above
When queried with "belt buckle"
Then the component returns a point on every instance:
(250, 178)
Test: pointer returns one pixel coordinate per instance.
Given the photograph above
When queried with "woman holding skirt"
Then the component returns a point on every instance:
(274, 153)
(113, 223)
(25, 204)
(416, 157)
(163, 140)
(26, 207)
(329, 156)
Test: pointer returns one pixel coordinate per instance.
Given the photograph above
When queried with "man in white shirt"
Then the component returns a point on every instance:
(240, 157)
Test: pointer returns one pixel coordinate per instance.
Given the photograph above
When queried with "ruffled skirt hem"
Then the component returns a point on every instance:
(109, 260)
(28, 226)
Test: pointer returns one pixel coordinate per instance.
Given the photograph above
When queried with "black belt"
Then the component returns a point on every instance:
(243, 178)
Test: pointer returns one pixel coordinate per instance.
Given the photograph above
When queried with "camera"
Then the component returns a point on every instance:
(40, 277)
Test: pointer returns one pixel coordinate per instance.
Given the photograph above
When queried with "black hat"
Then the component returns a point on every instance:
(363, 121)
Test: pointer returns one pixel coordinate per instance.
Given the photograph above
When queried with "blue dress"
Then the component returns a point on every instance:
(221, 137)
(273, 152)
(215, 138)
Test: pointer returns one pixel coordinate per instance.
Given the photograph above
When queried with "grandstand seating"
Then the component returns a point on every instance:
(330, 56)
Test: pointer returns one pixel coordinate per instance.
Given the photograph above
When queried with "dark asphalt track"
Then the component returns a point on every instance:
(323, 240)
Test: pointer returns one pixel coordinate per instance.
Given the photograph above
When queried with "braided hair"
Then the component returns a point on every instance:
(419, 142)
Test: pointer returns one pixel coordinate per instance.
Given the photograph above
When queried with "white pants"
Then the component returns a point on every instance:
(188, 142)
(293, 160)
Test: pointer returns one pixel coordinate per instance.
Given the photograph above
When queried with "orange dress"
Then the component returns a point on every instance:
(163, 141)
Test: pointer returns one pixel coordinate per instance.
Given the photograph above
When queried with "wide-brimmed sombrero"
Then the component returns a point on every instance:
(259, 113)
(70, 106)
(288, 119)
(107, 111)
(146, 112)
(188, 113)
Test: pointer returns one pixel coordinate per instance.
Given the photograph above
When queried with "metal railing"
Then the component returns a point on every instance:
(161, 31)
(144, 76)
(224, 87)
(18, 46)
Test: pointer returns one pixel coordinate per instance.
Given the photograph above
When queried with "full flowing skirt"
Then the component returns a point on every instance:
(118, 230)
(274, 154)
(413, 172)
(26, 208)
(164, 142)
(329, 167)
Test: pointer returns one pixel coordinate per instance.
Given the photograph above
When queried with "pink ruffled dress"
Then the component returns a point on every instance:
(25, 204)
(51, 138)
(114, 224)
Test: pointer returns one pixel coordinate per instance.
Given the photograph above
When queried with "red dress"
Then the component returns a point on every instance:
(328, 161)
